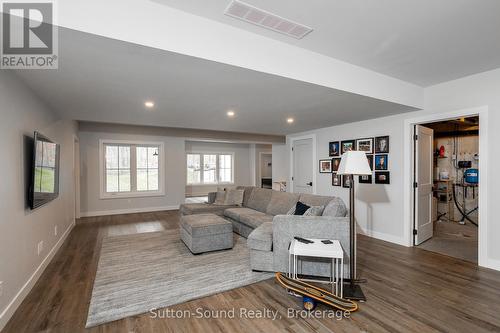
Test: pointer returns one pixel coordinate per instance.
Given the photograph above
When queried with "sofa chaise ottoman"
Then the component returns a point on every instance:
(206, 232)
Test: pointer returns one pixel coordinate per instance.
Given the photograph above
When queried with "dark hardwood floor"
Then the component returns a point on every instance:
(408, 290)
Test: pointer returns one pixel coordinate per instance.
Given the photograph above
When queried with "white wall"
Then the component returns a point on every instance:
(242, 163)
(20, 228)
(175, 175)
(379, 209)
(280, 163)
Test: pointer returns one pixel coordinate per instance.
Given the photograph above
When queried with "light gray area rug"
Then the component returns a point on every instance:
(141, 272)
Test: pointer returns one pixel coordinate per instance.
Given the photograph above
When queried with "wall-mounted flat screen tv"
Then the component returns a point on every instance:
(45, 172)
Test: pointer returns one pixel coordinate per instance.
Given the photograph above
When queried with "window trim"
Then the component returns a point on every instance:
(217, 168)
(132, 194)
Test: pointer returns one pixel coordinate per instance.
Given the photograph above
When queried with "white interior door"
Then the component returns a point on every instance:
(424, 144)
(302, 166)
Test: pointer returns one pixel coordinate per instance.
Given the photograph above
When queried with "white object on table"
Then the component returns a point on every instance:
(333, 251)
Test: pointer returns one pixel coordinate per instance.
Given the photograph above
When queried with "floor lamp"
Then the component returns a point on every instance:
(353, 163)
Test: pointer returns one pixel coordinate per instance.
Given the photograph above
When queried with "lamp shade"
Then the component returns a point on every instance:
(354, 163)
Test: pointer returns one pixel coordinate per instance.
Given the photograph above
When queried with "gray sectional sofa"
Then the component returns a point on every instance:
(263, 221)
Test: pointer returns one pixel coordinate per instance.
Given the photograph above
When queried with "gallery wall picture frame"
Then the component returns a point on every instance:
(370, 160)
(336, 179)
(334, 148)
(382, 162)
(382, 144)
(365, 179)
(382, 177)
(346, 181)
(336, 164)
(325, 166)
(347, 145)
(365, 145)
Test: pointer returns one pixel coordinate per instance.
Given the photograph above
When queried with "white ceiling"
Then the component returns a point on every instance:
(424, 42)
(105, 80)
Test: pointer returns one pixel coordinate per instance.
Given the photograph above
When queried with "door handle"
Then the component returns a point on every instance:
(310, 183)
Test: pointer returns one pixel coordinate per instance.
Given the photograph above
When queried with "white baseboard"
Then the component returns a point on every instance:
(383, 236)
(491, 264)
(127, 211)
(26, 288)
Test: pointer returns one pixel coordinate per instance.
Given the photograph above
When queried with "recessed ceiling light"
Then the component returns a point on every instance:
(290, 120)
(149, 104)
(230, 113)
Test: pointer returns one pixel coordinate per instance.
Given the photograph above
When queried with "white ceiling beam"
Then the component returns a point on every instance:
(155, 25)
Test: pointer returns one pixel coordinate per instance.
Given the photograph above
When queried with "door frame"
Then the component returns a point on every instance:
(408, 159)
(76, 175)
(313, 162)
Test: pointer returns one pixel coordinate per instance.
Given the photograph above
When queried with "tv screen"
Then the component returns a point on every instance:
(45, 171)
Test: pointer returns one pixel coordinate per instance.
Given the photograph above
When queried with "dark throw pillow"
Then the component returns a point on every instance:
(301, 208)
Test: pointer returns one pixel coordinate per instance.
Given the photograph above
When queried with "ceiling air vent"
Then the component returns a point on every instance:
(251, 14)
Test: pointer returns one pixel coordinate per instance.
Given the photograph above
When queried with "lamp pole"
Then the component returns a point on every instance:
(353, 291)
(352, 229)
(353, 163)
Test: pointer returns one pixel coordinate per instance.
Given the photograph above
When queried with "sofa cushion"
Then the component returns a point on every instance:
(201, 208)
(335, 208)
(262, 237)
(300, 208)
(234, 197)
(235, 213)
(220, 197)
(205, 225)
(315, 211)
(246, 194)
(281, 202)
(314, 200)
(259, 199)
(255, 220)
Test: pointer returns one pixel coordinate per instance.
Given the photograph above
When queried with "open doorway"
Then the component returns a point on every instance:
(446, 187)
(266, 170)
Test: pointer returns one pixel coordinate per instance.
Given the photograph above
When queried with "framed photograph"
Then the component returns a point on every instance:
(346, 181)
(381, 162)
(334, 148)
(365, 145)
(335, 164)
(365, 179)
(370, 161)
(347, 145)
(325, 166)
(382, 177)
(336, 179)
(381, 144)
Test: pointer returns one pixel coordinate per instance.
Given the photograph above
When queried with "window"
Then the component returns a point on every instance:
(225, 168)
(193, 169)
(131, 169)
(209, 168)
(117, 168)
(147, 168)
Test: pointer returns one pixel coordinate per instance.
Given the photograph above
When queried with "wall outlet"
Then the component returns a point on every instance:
(40, 247)
(1, 288)
(55, 230)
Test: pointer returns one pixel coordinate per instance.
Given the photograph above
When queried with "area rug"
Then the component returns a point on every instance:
(140, 272)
